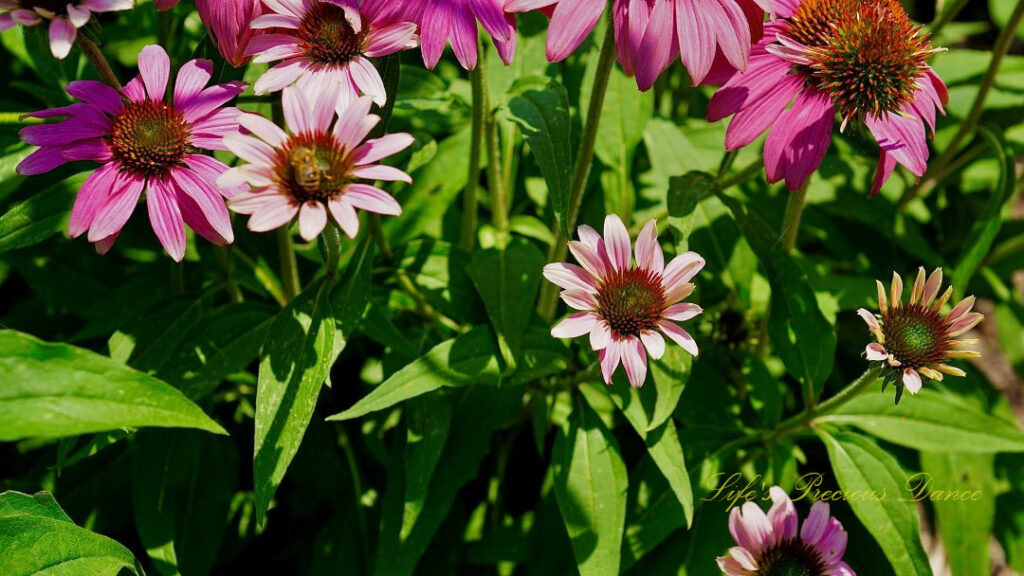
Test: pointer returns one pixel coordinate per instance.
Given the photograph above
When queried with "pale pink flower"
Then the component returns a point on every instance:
(65, 17)
(776, 543)
(315, 172)
(865, 60)
(441, 21)
(143, 143)
(625, 306)
(651, 34)
(917, 339)
(328, 43)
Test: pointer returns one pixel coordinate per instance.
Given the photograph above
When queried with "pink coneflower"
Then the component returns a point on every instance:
(328, 42)
(441, 21)
(144, 143)
(650, 34)
(65, 16)
(315, 171)
(864, 59)
(917, 339)
(776, 545)
(625, 306)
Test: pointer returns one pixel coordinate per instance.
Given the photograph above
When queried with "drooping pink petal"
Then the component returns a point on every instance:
(62, 37)
(91, 196)
(799, 139)
(165, 217)
(575, 325)
(118, 208)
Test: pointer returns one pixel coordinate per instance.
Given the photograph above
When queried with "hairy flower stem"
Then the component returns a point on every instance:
(831, 405)
(794, 214)
(1002, 46)
(945, 15)
(584, 162)
(478, 80)
(330, 245)
(99, 61)
(289, 265)
(230, 286)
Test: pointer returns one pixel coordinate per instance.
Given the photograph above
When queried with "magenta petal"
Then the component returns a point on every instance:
(571, 22)
(902, 137)
(91, 196)
(154, 68)
(118, 208)
(886, 164)
(165, 217)
(372, 199)
(657, 50)
(634, 360)
(62, 37)
(797, 143)
(207, 199)
(753, 120)
(193, 76)
(98, 94)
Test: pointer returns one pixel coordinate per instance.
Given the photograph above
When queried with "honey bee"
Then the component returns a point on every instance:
(306, 167)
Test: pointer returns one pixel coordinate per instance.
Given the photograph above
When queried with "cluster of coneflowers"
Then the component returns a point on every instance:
(790, 74)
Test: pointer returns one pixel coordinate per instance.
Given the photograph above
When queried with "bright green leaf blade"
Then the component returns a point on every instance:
(800, 333)
(590, 486)
(37, 537)
(40, 216)
(863, 468)
(57, 390)
(428, 420)
(182, 484)
(930, 420)
(669, 375)
(293, 367)
(507, 281)
(965, 522)
(986, 227)
(470, 358)
(544, 119)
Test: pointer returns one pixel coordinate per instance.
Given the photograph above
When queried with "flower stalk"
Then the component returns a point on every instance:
(795, 205)
(98, 61)
(478, 81)
(289, 264)
(935, 170)
(869, 377)
(584, 163)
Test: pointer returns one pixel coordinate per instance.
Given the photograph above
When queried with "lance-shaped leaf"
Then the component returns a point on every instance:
(40, 216)
(296, 360)
(57, 390)
(37, 537)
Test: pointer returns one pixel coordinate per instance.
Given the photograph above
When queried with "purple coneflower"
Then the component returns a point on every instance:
(65, 16)
(625, 307)
(917, 339)
(651, 34)
(314, 171)
(776, 545)
(328, 43)
(441, 21)
(144, 143)
(864, 59)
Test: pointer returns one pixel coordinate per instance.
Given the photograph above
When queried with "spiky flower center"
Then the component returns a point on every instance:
(916, 335)
(631, 301)
(791, 558)
(149, 138)
(312, 167)
(866, 54)
(328, 37)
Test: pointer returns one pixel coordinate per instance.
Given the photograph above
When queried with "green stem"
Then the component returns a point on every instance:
(794, 214)
(330, 245)
(801, 420)
(495, 175)
(584, 163)
(230, 286)
(377, 229)
(748, 172)
(1002, 46)
(289, 265)
(945, 16)
(99, 61)
(467, 238)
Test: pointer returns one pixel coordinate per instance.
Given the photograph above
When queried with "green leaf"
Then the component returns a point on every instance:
(669, 375)
(543, 117)
(226, 341)
(470, 358)
(428, 420)
(590, 485)
(57, 390)
(37, 537)
(986, 227)
(931, 421)
(41, 216)
(800, 333)
(182, 484)
(350, 297)
(965, 520)
(148, 342)
(507, 281)
(295, 362)
(864, 469)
